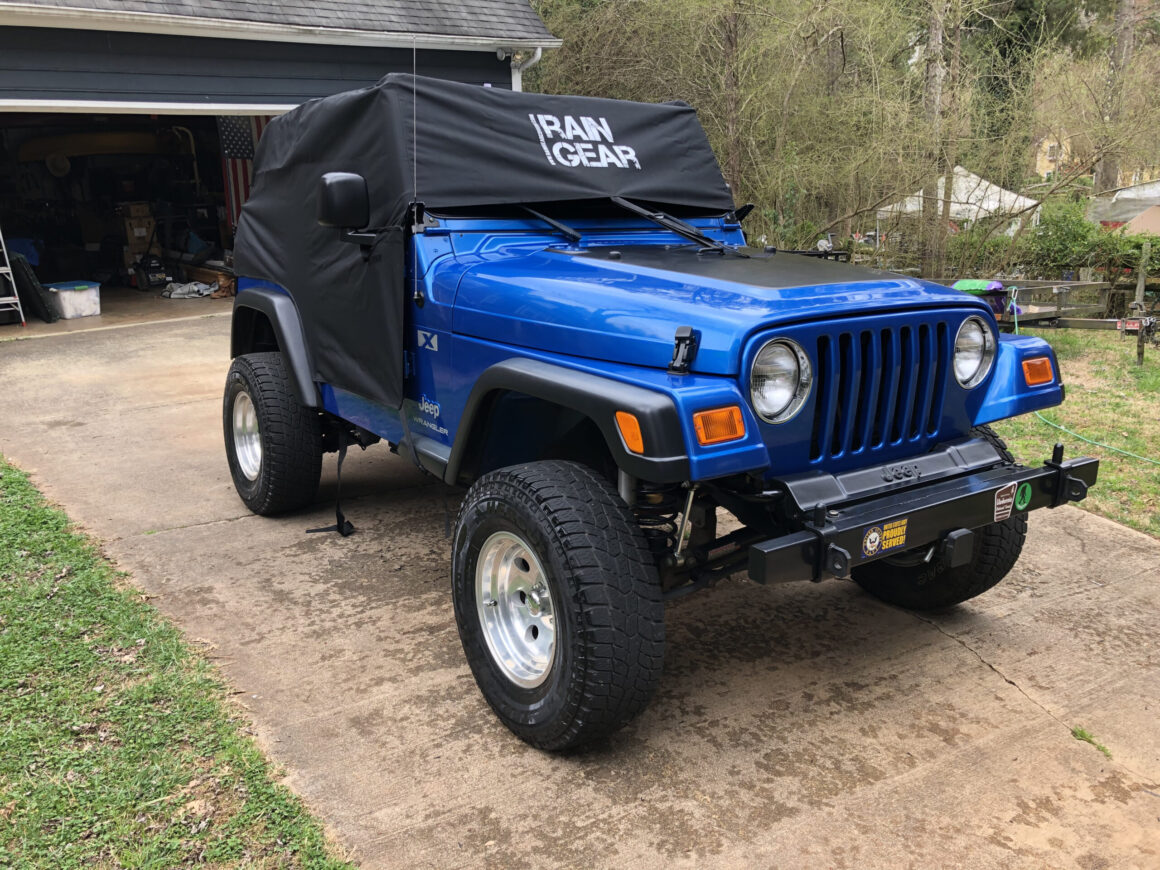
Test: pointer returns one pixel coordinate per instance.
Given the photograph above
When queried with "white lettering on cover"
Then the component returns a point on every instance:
(580, 141)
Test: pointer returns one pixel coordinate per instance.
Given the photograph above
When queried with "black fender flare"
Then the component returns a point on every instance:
(283, 315)
(664, 460)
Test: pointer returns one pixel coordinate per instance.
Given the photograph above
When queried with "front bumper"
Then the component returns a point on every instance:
(841, 536)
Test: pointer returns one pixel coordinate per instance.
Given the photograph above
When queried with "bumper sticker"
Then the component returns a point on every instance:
(1023, 496)
(1004, 501)
(880, 539)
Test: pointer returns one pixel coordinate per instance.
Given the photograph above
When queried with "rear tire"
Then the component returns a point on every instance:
(548, 550)
(908, 581)
(273, 444)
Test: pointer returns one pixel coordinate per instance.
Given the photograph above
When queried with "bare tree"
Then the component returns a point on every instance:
(1107, 175)
(823, 112)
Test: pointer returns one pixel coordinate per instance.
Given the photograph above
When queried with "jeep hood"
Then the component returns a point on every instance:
(623, 304)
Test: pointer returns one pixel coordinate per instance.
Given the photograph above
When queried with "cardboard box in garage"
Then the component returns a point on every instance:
(136, 209)
(138, 232)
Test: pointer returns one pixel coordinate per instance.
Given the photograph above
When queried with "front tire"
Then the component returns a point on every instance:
(909, 581)
(558, 603)
(273, 444)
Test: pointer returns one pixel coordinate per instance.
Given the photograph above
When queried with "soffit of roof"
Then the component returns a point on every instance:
(449, 24)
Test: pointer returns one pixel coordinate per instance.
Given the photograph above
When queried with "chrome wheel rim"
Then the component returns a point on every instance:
(515, 609)
(247, 440)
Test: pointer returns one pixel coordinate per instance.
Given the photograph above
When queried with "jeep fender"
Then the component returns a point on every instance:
(664, 459)
(282, 314)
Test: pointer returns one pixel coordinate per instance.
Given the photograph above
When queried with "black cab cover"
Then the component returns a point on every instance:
(446, 145)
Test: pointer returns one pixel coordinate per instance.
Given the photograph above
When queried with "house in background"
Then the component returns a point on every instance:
(1052, 153)
(1119, 207)
(1147, 221)
(129, 126)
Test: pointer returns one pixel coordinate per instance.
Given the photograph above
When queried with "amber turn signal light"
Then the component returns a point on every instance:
(629, 428)
(1037, 371)
(722, 424)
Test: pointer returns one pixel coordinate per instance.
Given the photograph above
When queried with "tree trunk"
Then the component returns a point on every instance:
(932, 108)
(950, 140)
(730, 48)
(1108, 167)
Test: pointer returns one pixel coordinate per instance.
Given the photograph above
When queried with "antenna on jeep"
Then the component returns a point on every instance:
(416, 204)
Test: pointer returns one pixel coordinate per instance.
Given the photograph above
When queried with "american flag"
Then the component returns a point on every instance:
(239, 135)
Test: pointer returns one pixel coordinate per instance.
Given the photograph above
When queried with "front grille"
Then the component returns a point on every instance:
(878, 388)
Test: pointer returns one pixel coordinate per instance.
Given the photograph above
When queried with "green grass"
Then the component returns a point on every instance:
(1082, 734)
(1111, 400)
(117, 745)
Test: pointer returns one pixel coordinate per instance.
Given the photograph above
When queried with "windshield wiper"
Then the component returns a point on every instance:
(678, 226)
(570, 234)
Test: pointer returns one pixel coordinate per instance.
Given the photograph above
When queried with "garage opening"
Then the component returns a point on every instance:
(112, 218)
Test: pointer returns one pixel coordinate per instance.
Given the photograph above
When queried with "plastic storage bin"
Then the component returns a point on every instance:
(76, 298)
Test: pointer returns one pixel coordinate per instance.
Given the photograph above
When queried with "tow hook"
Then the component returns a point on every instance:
(1067, 488)
(831, 558)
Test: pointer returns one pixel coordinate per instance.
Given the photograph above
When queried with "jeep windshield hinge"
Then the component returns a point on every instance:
(419, 217)
(363, 238)
(684, 349)
(742, 213)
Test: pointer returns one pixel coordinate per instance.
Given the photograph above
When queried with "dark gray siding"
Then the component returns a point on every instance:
(49, 64)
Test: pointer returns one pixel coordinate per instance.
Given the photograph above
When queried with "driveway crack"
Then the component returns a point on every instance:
(151, 532)
(1143, 779)
(996, 670)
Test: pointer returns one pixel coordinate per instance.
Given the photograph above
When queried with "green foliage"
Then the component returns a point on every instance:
(1064, 239)
(979, 249)
(1110, 400)
(1083, 734)
(1118, 254)
(117, 748)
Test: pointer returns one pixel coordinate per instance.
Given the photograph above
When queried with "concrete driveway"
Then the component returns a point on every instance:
(800, 726)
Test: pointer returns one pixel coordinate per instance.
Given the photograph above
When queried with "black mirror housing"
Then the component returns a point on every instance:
(343, 201)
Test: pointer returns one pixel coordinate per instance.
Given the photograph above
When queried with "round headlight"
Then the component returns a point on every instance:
(974, 351)
(780, 380)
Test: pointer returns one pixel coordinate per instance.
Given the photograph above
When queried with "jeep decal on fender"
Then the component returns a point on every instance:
(581, 142)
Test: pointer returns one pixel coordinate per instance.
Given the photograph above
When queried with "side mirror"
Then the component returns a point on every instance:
(343, 201)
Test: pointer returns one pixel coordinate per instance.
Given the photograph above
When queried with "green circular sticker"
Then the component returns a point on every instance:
(1023, 496)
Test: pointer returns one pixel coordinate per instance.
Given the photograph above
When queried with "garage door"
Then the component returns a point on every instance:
(47, 69)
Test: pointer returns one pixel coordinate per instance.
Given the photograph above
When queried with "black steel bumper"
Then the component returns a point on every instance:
(839, 537)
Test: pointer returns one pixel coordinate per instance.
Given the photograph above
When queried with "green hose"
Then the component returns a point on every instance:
(1096, 443)
(1015, 311)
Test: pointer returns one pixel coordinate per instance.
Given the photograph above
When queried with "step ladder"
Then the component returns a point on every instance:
(8, 284)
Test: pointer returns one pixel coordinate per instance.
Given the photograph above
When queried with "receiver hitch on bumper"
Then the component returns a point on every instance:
(840, 537)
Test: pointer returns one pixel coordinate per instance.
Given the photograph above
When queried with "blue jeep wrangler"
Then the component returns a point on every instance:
(548, 300)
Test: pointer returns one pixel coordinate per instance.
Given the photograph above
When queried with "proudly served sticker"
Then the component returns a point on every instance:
(888, 536)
